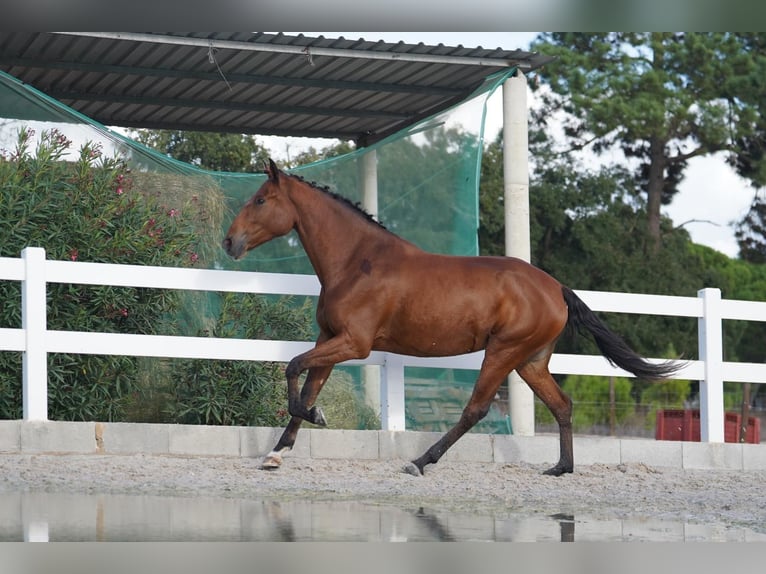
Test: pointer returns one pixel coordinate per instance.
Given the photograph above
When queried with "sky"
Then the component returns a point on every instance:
(711, 197)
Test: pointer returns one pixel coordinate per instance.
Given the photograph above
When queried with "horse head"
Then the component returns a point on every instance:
(266, 215)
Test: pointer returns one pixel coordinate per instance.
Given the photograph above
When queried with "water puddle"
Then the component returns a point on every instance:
(103, 517)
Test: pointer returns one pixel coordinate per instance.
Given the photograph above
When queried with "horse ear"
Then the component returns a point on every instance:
(272, 170)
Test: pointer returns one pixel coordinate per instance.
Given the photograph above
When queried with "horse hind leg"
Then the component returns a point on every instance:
(491, 376)
(536, 374)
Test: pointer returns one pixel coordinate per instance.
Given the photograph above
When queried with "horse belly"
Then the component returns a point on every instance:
(432, 346)
(424, 331)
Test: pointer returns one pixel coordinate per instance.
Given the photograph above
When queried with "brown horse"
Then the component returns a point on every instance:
(380, 292)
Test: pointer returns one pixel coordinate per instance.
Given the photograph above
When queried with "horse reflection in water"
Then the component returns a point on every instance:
(286, 522)
(381, 292)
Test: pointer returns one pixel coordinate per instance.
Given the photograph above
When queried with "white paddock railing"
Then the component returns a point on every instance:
(35, 341)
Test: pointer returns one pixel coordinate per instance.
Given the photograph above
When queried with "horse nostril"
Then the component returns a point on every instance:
(227, 244)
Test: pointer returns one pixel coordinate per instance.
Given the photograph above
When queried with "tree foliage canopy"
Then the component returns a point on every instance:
(207, 150)
(662, 99)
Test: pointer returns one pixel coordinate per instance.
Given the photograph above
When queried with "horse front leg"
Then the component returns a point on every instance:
(315, 380)
(322, 358)
(300, 403)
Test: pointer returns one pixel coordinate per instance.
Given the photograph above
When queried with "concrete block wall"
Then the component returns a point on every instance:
(192, 440)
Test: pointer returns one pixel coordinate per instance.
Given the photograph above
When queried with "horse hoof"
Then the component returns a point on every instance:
(317, 417)
(558, 470)
(411, 468)
(272, 461)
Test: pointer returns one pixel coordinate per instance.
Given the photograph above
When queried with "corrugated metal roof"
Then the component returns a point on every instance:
(260, 83)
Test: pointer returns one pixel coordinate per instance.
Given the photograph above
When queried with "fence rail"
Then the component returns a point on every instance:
(35, 341)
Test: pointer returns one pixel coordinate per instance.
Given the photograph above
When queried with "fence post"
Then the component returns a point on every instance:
(34, 323)
(392, 393)
(710, 331)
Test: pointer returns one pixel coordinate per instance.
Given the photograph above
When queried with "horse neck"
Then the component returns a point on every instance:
(331, 233)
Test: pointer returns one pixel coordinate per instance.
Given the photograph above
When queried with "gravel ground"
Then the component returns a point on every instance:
(731, 498)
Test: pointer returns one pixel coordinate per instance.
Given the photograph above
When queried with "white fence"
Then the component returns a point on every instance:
(34, 340)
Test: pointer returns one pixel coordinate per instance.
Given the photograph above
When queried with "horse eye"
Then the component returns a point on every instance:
(260, 200)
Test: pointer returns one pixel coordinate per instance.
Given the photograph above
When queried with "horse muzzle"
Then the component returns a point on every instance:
(234, 247)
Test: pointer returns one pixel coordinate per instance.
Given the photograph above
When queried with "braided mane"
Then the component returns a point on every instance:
(355, 205)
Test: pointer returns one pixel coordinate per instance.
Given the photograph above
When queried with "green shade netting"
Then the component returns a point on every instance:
(427, 183)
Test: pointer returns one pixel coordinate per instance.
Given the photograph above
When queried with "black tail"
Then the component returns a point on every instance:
(611, 345)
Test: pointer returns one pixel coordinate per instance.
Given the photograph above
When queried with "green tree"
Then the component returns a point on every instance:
(750, 231)
(312, 155)
(749, 161)
(751, 145)
(207, 150)
(662, 98)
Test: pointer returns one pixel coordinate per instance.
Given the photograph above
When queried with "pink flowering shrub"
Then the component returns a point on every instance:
(89, 209)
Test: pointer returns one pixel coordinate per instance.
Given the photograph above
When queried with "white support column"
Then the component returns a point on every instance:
(370, 182)
(392, 394)
(710, 329)
(517, 243)
(34, 323)
(369, 177)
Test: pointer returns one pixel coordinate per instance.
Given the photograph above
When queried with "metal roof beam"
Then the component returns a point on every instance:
(304, 50)
(227, 105)
(231, 77)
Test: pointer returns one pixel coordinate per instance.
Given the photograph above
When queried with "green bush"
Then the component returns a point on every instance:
(240, 392)
(88, 209)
